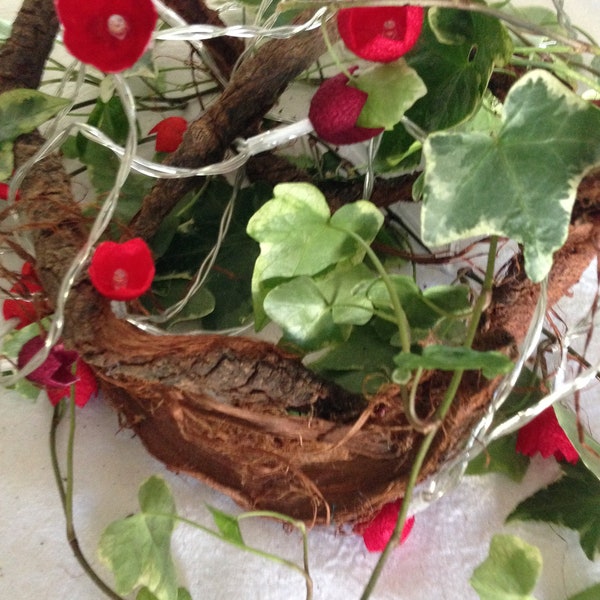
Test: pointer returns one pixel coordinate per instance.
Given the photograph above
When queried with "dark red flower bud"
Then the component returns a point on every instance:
(122, 271)
(381, 33)
(111, 35)
(169, 133)
(334, 109)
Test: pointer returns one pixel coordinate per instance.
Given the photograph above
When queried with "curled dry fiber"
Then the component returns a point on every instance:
(218, 407)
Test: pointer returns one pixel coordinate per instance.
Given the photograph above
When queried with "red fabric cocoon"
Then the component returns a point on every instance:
(381, 33)
(55, 371)
(86, 386)
(334, 109)
(169, 133)
(377, 533)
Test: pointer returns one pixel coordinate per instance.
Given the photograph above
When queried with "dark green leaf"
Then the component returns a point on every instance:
(137, 548)
(228, 526)
(510, 571)
(455, 75)
(500, 457)
(573, 501)
(519, 184)
(22, 110)
(362, 363)
(449, 358)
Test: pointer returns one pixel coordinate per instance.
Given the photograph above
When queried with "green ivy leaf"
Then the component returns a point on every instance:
(360, 364)
(146, 594)
(392, 89)
(451, 358)
(500, 457)
(314, 312)
(6, 160)
(137, 548)
(299, 236)
(572, 501)
(22, 110)
(423, 308)
(455, 75)
(591, 593)
(510, 571)
(228, 526)
(519, 184)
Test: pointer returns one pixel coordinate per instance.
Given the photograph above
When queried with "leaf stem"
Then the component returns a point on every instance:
(65, 491)
(400, 316)
(480, 304)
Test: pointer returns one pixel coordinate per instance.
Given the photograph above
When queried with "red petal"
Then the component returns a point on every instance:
(122, 271)
(87, 35)
(377, 532)
(55, 371)
(545, 435)
(169, 133)
(86, 386)
(23, 308)
(380, 34)
(334, 109)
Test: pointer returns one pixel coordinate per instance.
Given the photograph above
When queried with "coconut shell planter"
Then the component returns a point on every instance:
(223, 211)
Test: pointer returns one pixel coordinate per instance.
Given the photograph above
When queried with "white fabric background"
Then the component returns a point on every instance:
(448, 541)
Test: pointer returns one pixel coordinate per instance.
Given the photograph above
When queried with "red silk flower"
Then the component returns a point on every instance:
(122, 271)
(380, 33)
(55, 374)
(169, 133)
(86, 386)
(545, 435)
(334, 109)
(377, 533)
(111, 35)
(22, 306)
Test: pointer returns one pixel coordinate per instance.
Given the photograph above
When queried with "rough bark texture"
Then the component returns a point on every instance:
(217, 407)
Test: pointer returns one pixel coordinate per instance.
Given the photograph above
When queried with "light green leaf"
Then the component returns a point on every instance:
(22, 110)
(300, 308)
(451, 358)
(298, 235)
(519, 184)
(589, 451)
(510, 571)
(500, 457)
(137, 548)
(573, 501)
(146, 594)
(591, 593)
(228, 525)
(6, 160)
(392, 89)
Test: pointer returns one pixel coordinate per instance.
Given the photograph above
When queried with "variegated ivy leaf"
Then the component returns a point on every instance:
(520, 183)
